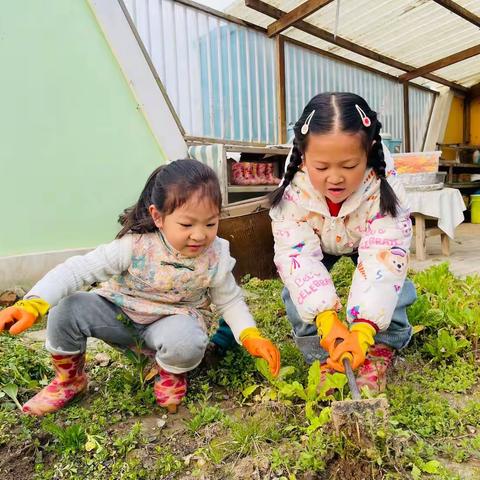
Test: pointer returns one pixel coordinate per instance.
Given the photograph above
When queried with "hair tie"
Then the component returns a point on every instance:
(306, 125)
(365, 119)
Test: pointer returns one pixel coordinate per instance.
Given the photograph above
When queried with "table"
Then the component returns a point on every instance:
(446, 206)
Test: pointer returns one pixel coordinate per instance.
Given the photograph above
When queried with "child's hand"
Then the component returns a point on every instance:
(22, 315)
(331, 330)
(355, 346)
(259, 346)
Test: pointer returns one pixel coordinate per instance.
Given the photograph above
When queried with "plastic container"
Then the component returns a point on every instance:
(476, 156)
(475, 208)
(416, 162)
(393, 144)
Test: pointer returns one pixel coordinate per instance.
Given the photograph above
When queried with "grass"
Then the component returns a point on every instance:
(239, 423)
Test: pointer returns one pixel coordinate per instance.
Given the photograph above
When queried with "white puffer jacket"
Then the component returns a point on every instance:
(303, 229)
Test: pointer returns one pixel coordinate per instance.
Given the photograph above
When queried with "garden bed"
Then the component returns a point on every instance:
(236, 423)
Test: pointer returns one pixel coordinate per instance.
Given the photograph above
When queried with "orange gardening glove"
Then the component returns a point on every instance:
(258, 346)
(331, 330)
(355, 347)
(22, 315)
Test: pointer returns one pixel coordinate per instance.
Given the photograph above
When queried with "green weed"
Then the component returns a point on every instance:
(445, 346)
(166, 463)
(457, 375)
(203, 416)
(68, 439)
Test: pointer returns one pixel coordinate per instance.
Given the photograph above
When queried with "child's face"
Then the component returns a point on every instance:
(336, 163)
(191, 228)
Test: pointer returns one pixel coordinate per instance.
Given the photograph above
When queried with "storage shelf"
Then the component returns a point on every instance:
(263, 150)
(458, 146)
(463, 185)
(251, 188)
(452, 168)
(461, 165)
(252, 153)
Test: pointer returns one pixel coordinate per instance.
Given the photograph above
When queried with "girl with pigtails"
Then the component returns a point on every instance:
(340, 197)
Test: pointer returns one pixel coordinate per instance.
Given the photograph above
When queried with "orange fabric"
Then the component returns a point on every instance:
(261, 347)
(18, 318)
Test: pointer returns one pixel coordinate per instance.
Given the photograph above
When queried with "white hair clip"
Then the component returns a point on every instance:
(306, 125)
(365, 120)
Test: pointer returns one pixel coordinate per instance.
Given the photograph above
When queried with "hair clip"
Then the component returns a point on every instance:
(365, 119)
(306, 125)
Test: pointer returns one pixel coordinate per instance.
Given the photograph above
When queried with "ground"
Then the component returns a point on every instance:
(465, 254)
(238, 423)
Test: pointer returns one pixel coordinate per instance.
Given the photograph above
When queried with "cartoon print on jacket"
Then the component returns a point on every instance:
(395, 260)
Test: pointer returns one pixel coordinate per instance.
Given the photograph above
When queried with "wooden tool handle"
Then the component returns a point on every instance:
(352, 383)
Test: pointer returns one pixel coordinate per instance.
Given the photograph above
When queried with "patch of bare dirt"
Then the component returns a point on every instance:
(343, 468)
(17, 462)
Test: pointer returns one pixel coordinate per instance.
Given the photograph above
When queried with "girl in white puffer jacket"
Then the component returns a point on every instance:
(340, 196)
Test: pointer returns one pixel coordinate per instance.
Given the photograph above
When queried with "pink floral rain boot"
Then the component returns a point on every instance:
(373, 373)
(169, 389)
(70, 380)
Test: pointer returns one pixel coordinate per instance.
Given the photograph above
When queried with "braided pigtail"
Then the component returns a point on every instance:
(295, 161)
(388, 199)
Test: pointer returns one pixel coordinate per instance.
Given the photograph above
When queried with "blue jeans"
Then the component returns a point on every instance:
(397, 335)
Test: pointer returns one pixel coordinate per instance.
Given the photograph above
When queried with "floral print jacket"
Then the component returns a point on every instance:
(148, 279)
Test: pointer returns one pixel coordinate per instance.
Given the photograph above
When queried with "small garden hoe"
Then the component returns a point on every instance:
(356, 418)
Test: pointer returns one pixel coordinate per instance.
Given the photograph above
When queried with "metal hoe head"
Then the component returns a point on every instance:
(359, 419)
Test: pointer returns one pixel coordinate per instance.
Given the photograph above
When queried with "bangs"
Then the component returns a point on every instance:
(182, 192)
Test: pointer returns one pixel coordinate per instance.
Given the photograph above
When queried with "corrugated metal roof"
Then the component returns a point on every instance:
(218, 75)
(415, 32)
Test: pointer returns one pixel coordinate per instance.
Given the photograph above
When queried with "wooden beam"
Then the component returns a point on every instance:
(406, 119)
(460, 11)
(271, 11)
(475, 91)
(280, 89)
(303, 10)
(428, 123)
(193, 140)
(443, 62)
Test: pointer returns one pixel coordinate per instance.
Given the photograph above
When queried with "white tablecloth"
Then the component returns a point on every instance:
(446, 204)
